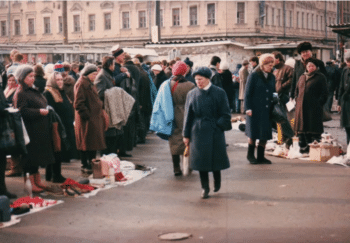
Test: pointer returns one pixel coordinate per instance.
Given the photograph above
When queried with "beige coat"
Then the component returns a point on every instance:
(177, 147)
(243, 76)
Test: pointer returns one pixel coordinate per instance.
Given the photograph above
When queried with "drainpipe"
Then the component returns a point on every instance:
(325, 18)
(9, 22)
(337, 44)
(284, 19)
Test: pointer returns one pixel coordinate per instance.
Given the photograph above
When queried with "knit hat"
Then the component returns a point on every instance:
(223, 65)
(22, 72)
(88, 69)
(188, 62)
(59, 67)
(202, 71)
(304, 46)
(179, 68)
(313, 60)
(156, 67)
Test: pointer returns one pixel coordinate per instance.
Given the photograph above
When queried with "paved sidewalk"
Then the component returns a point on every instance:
(288, 201)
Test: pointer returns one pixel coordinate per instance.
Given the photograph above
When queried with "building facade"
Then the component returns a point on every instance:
(130, 23)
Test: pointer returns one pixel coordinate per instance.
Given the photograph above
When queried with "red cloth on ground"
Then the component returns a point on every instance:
(70, 182)
(34, 201)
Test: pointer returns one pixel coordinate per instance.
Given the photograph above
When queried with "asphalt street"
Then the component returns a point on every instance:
(288, 201)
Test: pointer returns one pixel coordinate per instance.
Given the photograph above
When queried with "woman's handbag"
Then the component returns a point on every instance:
(7, 135)
(186, 162)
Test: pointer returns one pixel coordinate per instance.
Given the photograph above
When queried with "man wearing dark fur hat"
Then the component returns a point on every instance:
(305, 51)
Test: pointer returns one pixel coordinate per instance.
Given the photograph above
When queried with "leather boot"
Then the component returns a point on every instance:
(176, 165)
(261, 156)
(48, 173)
(57, 173)
(37, 181)
(217, 180)
(250, 156)
(35, 188)
(204, 176)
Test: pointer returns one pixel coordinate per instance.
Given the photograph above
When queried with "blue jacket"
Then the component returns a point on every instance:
(163, 111)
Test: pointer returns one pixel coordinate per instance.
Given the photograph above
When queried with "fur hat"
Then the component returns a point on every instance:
(188, 62)
(313, 60)
(156, 67)
(304, 46)
(22, 71)
(88, 69)
(202, 71)
(179, 68)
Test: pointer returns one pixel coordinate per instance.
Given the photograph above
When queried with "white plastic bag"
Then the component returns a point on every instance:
(186, 162)
(25, 134)
(348, 152)
(290, 105)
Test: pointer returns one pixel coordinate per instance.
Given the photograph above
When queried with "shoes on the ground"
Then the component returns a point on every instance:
(125, 155)
(205, 193)
(59, 179)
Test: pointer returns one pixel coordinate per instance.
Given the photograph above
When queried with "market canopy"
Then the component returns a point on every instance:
(343, 29)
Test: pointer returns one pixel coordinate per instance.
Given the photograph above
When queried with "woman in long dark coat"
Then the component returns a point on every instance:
(310, 96)
(227, 83)
(32, 105)
(179, 89)
(57, 98)
(207, 117)
(258, 101)
(90, 123)
(40, 81)
(344, 99)
(104, 81)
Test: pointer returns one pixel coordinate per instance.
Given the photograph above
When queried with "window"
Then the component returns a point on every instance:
(161, 17)
(142, 19)
(92, 22)
(290, 19)
(273, 16)
(308, 25)
(211, 13)
(31, 27)
(47, 27)
(321, 22)
(298, 20)
(312, 21)
(193, 15)
(176, 17)
(240, 13)
(76, 23)
(2, 4)
(126, 20)
(302, 20)
(317, 22)
(60, 24)
(279, 17)
(17, 27)
(3, 28)
(108, 21)
(267, 15)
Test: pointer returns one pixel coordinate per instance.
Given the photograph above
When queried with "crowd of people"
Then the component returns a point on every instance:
(74, 110)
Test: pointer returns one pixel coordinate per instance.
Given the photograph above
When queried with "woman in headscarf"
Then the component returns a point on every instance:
(310, 96)
(179, 88)
(258, 100)
(90, 118)
(57, 98)
(207, 117)
(11, 88)
(33, 107)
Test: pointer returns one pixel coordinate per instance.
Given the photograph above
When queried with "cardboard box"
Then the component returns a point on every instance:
(322, 152)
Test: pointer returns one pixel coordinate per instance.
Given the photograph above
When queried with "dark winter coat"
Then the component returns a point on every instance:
(74, 75)
(284, 75)
(89, 120)
(40, 148)
(344, 98)
(104, 80)
(40, 83)
(159, 79)
(215, 78)
(299, 69)
(310, 96)
(66, 113)
(118, 75)
(258, 98)
(207, 117)
(145, 92)
(227, 84)
(177, 146)
(190, 78)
